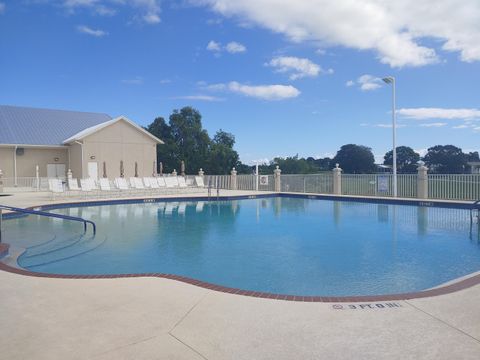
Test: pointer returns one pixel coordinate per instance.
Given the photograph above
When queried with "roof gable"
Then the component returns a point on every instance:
(93, 129)
(32, 126)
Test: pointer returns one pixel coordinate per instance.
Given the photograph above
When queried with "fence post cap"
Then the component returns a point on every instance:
(421, 165)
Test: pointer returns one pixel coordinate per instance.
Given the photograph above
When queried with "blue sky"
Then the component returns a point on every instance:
(284, 77)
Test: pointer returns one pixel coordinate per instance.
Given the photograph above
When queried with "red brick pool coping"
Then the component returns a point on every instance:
(442, 290)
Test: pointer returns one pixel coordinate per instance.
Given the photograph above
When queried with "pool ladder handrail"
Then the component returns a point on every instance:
(475, 207)
(217, 186)
(47, 214)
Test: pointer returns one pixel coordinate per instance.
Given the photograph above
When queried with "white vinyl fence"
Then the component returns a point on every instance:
(454, 187)
(244, 182)
(311, 183)
(24, 184)
(379, 185)
(440, 186)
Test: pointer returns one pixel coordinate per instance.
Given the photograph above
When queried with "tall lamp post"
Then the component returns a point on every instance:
(391, 80)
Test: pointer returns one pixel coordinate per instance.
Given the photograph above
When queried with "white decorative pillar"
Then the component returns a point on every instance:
(277, 179)
(422, 181)
(37, 176)
(201, 173)
(337, 180)
(1, 181)
(174, 172)
(69, 174)
(233, 179)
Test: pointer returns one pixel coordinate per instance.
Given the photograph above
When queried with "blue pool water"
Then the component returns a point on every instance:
(279, 244)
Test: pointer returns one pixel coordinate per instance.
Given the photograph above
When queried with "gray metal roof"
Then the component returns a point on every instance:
(31, 126)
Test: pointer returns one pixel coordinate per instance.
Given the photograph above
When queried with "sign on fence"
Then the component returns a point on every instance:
(263, 180)
(382, 184)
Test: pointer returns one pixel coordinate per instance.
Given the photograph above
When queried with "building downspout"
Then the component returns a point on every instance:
(81, 167)
(15, 166)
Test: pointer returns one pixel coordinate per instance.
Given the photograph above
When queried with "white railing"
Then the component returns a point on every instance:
(379, 185)
(440, 186)
(309, 183)
(454, 186)
(24, 184)
(244, 182)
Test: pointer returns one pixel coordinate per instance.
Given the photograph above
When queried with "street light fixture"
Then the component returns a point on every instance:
(391, 80)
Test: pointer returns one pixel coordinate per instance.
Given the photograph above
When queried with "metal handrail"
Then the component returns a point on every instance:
(43, 213)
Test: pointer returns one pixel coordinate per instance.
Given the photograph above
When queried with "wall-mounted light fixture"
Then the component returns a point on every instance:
(92, 157)
(56, 159)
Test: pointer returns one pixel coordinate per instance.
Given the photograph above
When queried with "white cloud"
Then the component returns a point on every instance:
(437, 124)
(213, 46)
(383, 125)
(464, 126)
(79, 3)
(149, 10)
(297, 67)
(366, 82)
(200, 98)
(264, 92)
(234, 47)
(137, 80)
(89, 31)
(146, 11)
(439, 113)
(394, 30)
(389, 126)
(2, 7)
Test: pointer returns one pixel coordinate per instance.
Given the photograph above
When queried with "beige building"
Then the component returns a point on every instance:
(89, 144)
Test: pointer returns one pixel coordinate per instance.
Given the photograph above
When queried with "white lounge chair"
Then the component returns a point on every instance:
(171, 182)
(93, 184)
(153, 183)
(161, 182)
(199, 181)
(147, 182)
(86, 186)
(56, 187)
(181, 182)
(73, 185)
(139, 183)
(105, 184)
(122, 185)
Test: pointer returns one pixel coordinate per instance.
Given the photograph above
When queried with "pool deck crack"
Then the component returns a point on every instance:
(443, 321)
(188, 346)
(170, 332)
(187, 313)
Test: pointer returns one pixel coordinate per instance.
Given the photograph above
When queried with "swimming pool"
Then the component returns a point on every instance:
(285, 245)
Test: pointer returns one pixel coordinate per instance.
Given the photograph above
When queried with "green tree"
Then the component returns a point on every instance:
(407, 159)
(191, 140)
(166, 153)
(355, 159)
(222, 157)
(294, 165)
(445, 159)
(472, 156)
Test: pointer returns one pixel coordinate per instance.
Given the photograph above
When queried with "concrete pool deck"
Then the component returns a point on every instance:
(155, 318)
